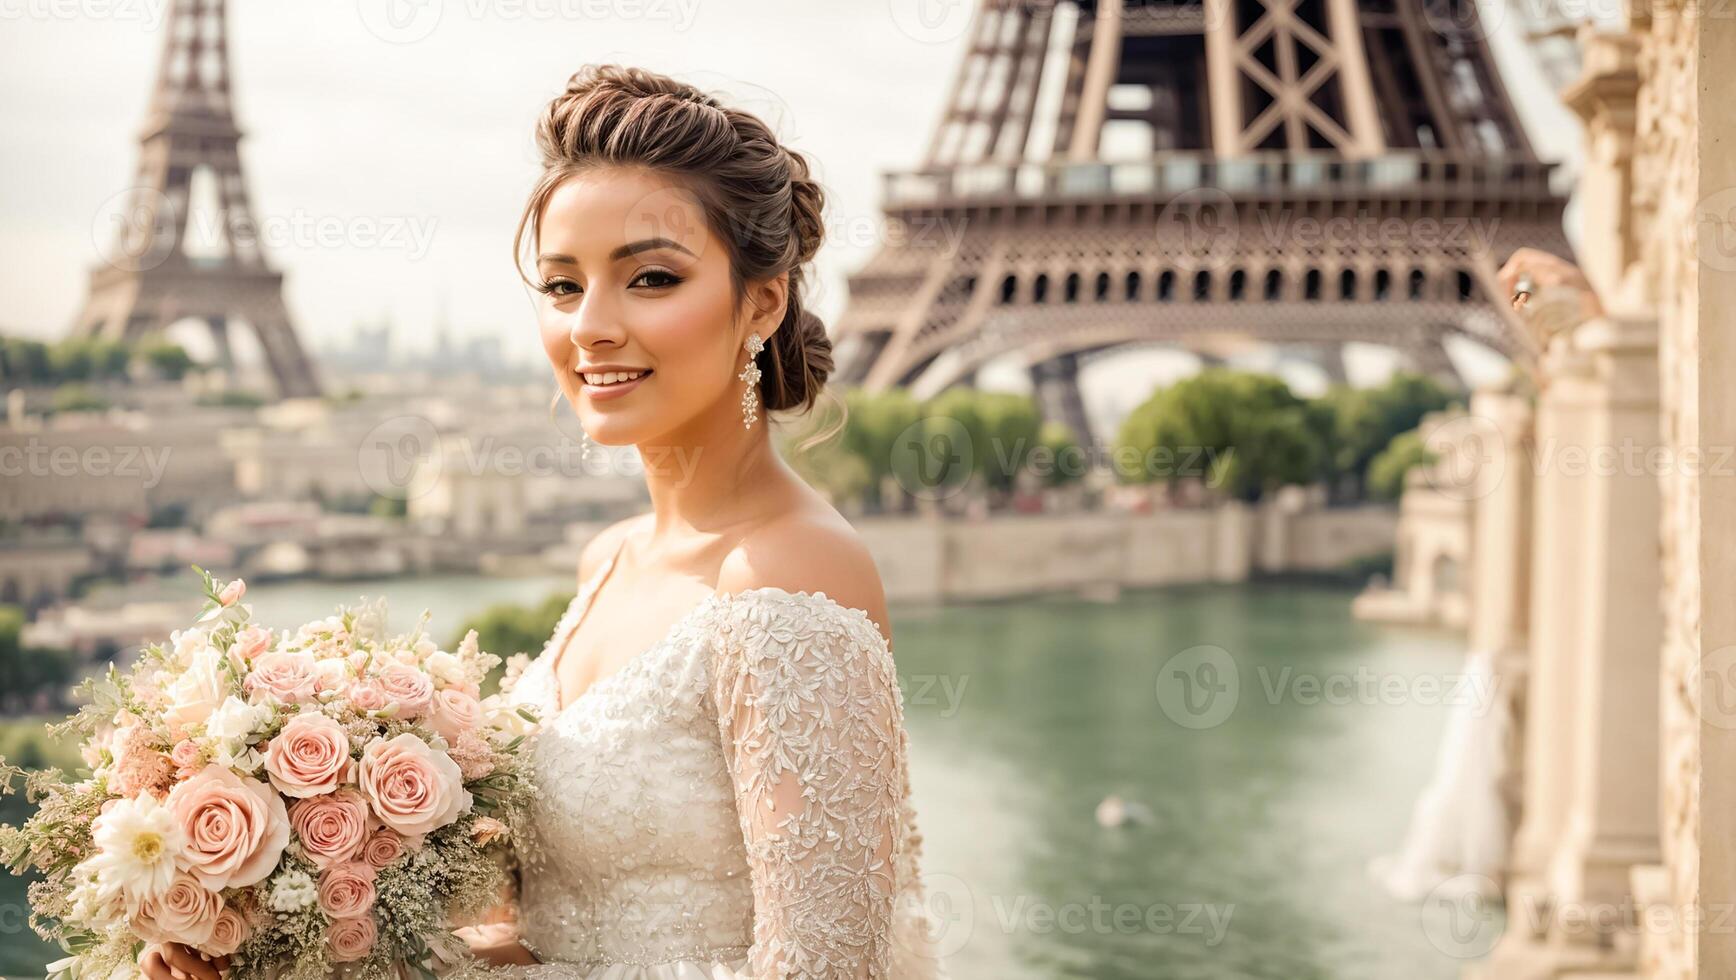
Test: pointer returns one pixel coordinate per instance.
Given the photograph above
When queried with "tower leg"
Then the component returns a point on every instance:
(1430, 358)
(289, 363)
(220, 339)
(1056, 384)
(1329, 358)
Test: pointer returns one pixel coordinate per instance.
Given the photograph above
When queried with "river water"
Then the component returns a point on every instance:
(1268, 745)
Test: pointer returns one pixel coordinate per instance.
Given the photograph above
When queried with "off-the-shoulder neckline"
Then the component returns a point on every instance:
(561, 636)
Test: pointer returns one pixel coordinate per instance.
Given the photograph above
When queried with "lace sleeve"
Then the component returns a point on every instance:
(809, 716)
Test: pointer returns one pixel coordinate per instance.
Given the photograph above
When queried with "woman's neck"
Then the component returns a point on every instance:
(714, 474)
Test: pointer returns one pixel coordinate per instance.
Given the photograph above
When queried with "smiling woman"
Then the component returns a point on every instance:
(709, 220)
(723, 759)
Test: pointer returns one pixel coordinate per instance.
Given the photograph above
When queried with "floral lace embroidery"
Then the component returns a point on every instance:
(735, 800)
(809, 713)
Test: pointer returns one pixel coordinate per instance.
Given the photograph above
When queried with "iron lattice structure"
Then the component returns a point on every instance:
(1303, 173)
(149, 280)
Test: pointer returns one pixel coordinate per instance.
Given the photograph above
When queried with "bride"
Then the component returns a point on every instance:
(722, 762)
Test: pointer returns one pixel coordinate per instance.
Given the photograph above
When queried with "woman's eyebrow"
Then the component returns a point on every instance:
(631, 248)
(648, 245)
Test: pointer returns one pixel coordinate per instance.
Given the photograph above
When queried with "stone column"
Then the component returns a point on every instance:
(1499, 580)
(1612, 814)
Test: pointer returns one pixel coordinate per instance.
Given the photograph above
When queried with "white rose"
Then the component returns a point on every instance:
(235, 719)
(188, 643)
(502, 715)
(447, 670)
(200, 688)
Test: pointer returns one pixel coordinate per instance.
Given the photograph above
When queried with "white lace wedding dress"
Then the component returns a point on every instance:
(734, 802)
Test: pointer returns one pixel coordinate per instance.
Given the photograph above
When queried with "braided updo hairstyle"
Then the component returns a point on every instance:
(757, 195)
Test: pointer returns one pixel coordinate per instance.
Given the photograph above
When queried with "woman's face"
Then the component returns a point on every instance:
(633, 280)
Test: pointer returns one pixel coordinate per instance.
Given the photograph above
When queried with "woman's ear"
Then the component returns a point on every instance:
(767, 301)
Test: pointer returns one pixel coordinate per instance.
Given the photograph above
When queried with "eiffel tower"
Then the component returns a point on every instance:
(148, 280)
(1205, 176)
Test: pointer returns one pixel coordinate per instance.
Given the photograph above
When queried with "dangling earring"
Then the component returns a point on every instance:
(585, 443)
(751, 374)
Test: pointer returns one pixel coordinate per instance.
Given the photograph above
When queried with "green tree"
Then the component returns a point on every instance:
(87, 359)
(26, 672)
(383, 506)
(1386, 473)
(872, 427)
(168, 360)
(1012, 426)
(1368, 419)
(1066, 465)
(816, 450)
(24, 361)
(78, 398)
(1243, 433)
(233, 398)
(506, 628)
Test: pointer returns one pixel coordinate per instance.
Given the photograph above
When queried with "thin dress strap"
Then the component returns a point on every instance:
(588, 593)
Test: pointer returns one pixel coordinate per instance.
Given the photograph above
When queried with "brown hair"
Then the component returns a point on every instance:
(757, 195)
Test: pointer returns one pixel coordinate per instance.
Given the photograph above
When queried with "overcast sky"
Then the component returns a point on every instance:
(423, 123)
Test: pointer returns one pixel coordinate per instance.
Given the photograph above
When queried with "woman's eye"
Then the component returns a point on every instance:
(557, 287)
(657, 278)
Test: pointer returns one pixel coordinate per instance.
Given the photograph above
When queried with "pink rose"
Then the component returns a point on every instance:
(455, 712)
(236, 828)
(382, 847)
(186, 913)
(367, 696)
(284, 676)
(331, 674)
(414, 789)
(309, 757)
(351, 939)
(251, 643)
(187, 755)
(412, 689)
(227, 935)
(232, 592)
(346, 890)
(331, 828)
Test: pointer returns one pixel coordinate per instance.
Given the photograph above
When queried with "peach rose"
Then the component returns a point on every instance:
(351, 939)
(284, 676)
(186, 754)
(310, 756)
(367, 696)
(382, 847)
(186, 913)
(236, 828)
(332, 828)
(413, 789)
(347, 890)
(331, 674)
(227, 935)
(412, 689)
(232, 592)
(251, 642)
(454, 713)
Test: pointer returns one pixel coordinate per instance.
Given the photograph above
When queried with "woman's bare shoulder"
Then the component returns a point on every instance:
(603, 544)
(808, 552)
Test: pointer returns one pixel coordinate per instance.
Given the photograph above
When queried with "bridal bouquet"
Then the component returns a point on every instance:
(324, 801)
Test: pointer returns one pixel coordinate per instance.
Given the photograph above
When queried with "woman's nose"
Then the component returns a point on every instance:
(594, 322)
